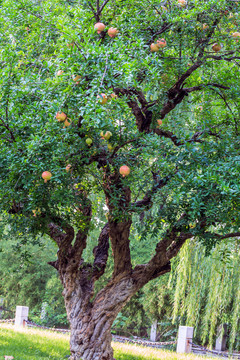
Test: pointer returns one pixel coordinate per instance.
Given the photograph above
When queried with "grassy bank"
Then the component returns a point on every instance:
(34, 344)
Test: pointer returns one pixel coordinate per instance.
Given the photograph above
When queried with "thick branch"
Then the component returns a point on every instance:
(160, 259)
(169, 135)
(85, 210)
(176, 93)
(227, 236)
(200, 87)
(118, 198)
(101, 253)
(166, 249)
(223, 56)
(176, 245)
(142, 114)
(62, 238)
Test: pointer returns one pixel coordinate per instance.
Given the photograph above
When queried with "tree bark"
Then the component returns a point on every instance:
(85, 344)
(91, 322)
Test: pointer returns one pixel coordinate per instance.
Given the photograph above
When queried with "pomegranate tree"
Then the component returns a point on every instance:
(159, 163)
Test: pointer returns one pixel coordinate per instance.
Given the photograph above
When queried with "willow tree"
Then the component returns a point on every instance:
(168, 112)
(207, 292)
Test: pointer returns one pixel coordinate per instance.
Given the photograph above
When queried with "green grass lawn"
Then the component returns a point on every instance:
(31, 344)
(34, 344)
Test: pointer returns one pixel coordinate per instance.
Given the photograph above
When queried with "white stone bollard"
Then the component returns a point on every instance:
(21, 315)
(221, 341)
(153, 334)
(43, 310)
(185, 335)
(1, 306)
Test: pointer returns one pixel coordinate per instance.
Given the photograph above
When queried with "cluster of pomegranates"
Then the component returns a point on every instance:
(124, 170)
(112, 32)
(62, 117)
(160, 44)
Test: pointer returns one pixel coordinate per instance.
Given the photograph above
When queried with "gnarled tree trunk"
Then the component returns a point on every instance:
(91, 322)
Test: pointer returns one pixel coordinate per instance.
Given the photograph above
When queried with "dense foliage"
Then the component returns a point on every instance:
(35, 45)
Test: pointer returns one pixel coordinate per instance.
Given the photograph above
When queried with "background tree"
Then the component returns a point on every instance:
(53, 61)
(207, 290)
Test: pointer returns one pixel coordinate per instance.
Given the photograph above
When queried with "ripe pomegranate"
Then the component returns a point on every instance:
(161, 43)
(61, 116)
(112, 32)
(159, 122)
(60, 72)
(124, 170)
(99, 27)
(154, 47)
(102, 98)
(46, 175)
(216, 47)
(66, 123)
(68, 167)
(76, 77)
(205, 26)
(182, 3)
(107, 135)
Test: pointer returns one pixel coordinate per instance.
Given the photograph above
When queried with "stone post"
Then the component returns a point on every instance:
(221, 340)
(1, 306)
(185, 336)
(153, 334)
(21, 315)
(43, 310)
